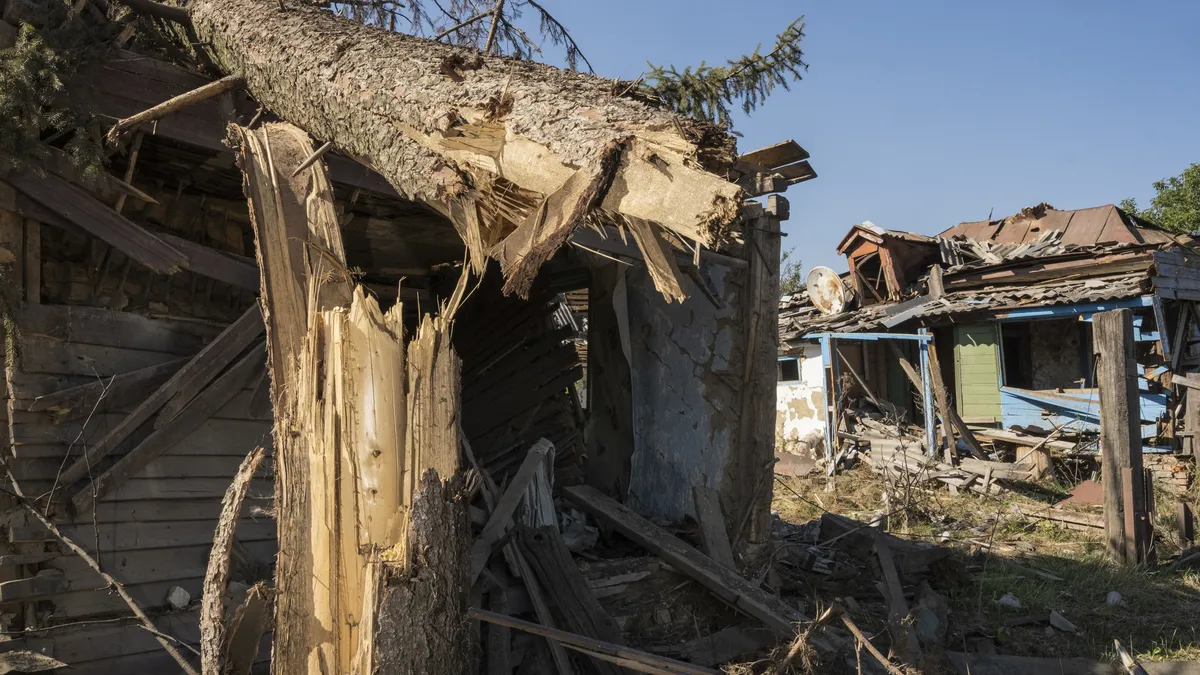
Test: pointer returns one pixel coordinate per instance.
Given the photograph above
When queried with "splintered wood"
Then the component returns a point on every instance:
(366, 433)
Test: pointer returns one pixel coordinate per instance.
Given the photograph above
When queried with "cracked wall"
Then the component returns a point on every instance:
(800, 405)
(686, 365)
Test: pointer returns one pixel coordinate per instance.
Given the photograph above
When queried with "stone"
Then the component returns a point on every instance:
(1114, 599)
(1010, 601)
(1060, 622)
(178, 598)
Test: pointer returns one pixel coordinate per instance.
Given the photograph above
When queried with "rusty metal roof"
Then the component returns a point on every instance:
(1081, 227)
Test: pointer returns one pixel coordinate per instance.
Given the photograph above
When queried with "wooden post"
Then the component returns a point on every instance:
(1120, 431)
(752, 471)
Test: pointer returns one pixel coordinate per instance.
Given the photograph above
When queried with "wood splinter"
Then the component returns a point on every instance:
(175, 104)
(312, 159)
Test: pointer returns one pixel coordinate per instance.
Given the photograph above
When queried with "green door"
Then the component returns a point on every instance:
(977, 372)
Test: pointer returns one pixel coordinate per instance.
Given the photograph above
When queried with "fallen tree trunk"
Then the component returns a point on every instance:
(496, 144)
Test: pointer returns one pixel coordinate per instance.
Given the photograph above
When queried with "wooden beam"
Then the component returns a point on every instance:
(724, 583)
(657, 254)
(194, 375)
(1120, 423)
(197, 412)
(946, 410)
(640, 661)
(80, 208)
(500, 519)
(713, 529)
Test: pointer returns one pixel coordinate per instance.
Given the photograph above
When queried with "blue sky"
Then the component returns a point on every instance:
(923, 114)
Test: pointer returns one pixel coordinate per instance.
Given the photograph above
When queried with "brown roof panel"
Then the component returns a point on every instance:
(1086, 226)
(1082, 227)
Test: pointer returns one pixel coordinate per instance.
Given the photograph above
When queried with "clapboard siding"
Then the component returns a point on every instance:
(133, 536)
(150, 565)
(46, 355)
(238, 408)
(155, 530)
(76, 604)
(214, 437)
(152, 510)
(96, 326)
(167, 466)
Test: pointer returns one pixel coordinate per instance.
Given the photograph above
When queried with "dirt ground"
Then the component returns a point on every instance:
(1044, 566)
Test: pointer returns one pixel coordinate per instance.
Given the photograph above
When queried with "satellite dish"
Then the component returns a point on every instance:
(826, 290)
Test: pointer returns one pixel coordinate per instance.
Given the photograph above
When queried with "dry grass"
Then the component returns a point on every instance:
(1045, 566)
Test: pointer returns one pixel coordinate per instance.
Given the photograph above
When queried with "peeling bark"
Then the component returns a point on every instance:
(421, 623)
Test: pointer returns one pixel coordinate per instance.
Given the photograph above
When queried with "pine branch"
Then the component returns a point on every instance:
(560, 35)
(706, 92)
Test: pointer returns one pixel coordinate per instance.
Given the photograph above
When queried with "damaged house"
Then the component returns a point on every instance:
(299, 342)
(992, 322)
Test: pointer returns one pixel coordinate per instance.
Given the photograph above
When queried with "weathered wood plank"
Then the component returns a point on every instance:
(713, 532)
(130, 536)
(1120, 426)
(181, 426)
(116, 391)
(218, 436)
(501, 519)
(44, 355)
(195, 374)
(230, 268)
(724, 583)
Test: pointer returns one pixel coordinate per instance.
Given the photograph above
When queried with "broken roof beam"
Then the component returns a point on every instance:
(773, 168)
(476, 119)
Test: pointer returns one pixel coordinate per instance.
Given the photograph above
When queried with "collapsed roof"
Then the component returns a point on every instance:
(1039, 257)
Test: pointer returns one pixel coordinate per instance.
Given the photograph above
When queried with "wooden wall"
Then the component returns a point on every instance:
(153, 532)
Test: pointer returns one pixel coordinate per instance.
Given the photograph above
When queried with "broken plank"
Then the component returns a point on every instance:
(724, 583)
(197, 372)
(82, 209)
(233, 269)
(634, 659)
(500, 519)
(713, 531)
(904, 641)
(577, 608)
(188, 420)
(250, 621)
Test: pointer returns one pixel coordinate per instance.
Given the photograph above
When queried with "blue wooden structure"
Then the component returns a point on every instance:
(832, 371)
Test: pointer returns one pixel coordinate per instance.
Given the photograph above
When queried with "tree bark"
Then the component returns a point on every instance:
(447, 126)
